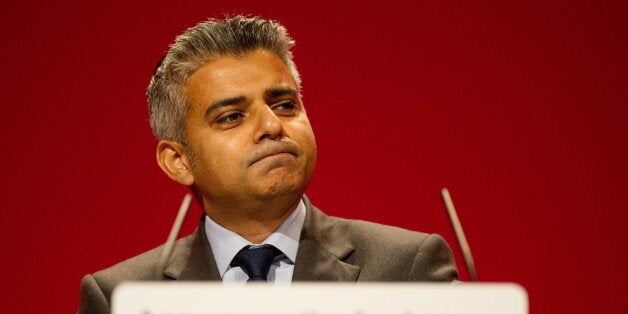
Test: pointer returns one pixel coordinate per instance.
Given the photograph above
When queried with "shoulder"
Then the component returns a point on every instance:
(142, 267)
(362, 233)
(382, 239)
(386, 252)
(97, 287)
(375, 232)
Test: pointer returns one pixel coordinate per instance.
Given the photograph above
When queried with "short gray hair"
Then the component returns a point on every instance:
(167, 104)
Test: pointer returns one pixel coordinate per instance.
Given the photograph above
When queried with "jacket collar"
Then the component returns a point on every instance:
(193, 259)
(323, 250)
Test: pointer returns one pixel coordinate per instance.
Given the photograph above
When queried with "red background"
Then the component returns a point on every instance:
(519, 107)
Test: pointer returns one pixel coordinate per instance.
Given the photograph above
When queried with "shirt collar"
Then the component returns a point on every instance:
(225, 244)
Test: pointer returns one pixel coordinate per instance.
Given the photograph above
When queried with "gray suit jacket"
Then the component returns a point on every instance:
(330, 249)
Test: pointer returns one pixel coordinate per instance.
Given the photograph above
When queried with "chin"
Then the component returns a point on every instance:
(282, 187)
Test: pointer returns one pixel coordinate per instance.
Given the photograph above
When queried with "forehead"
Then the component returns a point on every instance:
(234, 76)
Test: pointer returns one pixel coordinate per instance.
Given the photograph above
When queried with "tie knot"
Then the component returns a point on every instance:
(256, 261)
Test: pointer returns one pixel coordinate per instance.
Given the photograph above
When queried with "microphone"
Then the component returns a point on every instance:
(172, 237)
(462, 239)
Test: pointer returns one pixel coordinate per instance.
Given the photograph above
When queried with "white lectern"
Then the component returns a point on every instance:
(319, 298)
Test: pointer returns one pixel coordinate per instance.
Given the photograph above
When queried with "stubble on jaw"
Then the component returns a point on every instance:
(275, 189)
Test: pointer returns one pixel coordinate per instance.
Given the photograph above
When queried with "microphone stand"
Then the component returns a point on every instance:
(172, 237)
(462, 239)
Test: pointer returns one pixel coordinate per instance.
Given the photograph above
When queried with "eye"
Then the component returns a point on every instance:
(286, 107)
(229, 118)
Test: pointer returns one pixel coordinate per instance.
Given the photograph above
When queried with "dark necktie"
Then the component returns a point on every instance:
(256, 261)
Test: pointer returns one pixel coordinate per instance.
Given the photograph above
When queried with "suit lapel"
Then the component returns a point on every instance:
(194, 261)
(315, 263)
(322, 250)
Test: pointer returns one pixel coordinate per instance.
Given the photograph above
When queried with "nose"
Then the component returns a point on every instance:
(269, 126)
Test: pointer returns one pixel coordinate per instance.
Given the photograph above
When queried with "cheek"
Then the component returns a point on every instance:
(226, 154)
(312, 145)
(305, 137)
(227, 147)
(307, 127)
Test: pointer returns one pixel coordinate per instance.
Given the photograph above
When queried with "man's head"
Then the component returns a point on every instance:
(196, 46)
(226, 109)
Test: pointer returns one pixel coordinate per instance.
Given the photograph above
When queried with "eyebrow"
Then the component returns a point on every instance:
(280, 91)
(224, 102)
(273, 92)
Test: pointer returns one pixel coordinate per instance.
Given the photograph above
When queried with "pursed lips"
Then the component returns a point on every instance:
(277, 154)
(273, 151)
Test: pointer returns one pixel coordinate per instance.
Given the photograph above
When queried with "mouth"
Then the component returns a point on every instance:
(278, 154)
(275, 155)
(274, 151)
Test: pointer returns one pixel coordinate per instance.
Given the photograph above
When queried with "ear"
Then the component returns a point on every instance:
(173, 160)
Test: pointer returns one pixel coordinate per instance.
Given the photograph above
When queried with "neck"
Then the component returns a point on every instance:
(254, 222)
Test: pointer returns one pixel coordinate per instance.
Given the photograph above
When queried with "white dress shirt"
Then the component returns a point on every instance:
(225, 244)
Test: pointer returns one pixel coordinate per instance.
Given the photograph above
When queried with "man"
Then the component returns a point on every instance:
(226, 109)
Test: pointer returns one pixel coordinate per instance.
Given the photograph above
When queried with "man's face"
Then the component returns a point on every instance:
(247, 130)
